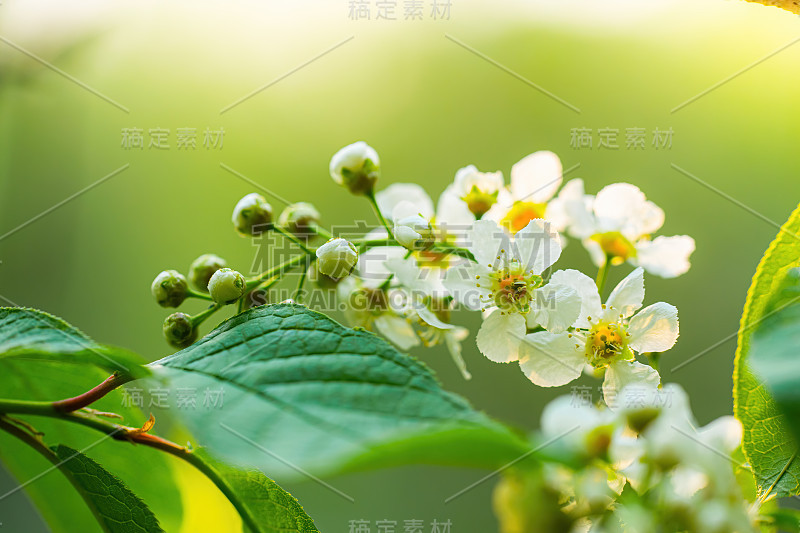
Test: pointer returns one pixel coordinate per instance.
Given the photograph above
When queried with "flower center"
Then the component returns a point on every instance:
(512, 288)
(615, 245)
(604, 342)
(479, 202)
(520, 214)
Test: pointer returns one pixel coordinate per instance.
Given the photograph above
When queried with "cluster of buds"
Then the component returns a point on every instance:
(356, 167)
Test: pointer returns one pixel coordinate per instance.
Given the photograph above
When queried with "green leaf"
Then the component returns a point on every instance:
(115, 505)
(302, 392)
(775, 348)
(261, 502)
(31, 334)
(44, 359)
(766, 446)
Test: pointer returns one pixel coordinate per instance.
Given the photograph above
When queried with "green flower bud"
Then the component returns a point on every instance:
(179, 330)
(337, 258)
(357, 167)
(252, 215)
(299, 218)
(226, 286)
(203, 268)
(169, 288)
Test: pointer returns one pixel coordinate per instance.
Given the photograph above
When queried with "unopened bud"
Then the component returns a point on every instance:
(179, 330)
(299, 219)
(169, 288)
(337, 258)
(357, 167)
(226, 286)
(203, 268)
(414, 232)
(252, 215)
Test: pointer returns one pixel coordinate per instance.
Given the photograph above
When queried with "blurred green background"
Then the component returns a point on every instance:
(429, 106)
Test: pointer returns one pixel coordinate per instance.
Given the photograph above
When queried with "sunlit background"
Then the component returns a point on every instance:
(292, 82)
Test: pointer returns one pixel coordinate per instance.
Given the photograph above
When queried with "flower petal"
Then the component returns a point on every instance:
(556, 307)
(462, 283)
(572, 418)
(453, 340)
(621, 373)
(430, 318)
(587, 291)
(551, 359)
(571, 210)
(654, 328)
(618, 205)
(486, 240)
(453, 217)
(536, 177)
(372, 269)
(397, 330)
(724, 433)
(395, 193)
(626, 297)
(537, 245)
(667, 257)
(501, 336)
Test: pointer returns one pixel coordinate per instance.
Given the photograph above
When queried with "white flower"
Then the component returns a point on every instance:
(580, 427)
(477, 189)
(534, 181)
(618, 223)
(376, 309)
(431, 306)
(506, 280)
(356, 166)
(336, 258)
(397, 200)
(606, 336)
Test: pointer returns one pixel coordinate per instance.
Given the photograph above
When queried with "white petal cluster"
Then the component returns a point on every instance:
(617, 225)
(649, 440)
(606, 336)
(552, 322)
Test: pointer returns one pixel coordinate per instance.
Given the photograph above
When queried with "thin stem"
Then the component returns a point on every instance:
(371, 197)
(298, 291)
(289, 236)
(450, 249)
(370, 243)
(135, 436)
(191, 293)
(322, 232)
(276, 271)
(602, 275)
(87, 398)
(201, 317)
(35, 442)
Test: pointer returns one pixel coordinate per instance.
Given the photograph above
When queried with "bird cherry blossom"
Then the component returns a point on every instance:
(606, 336)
